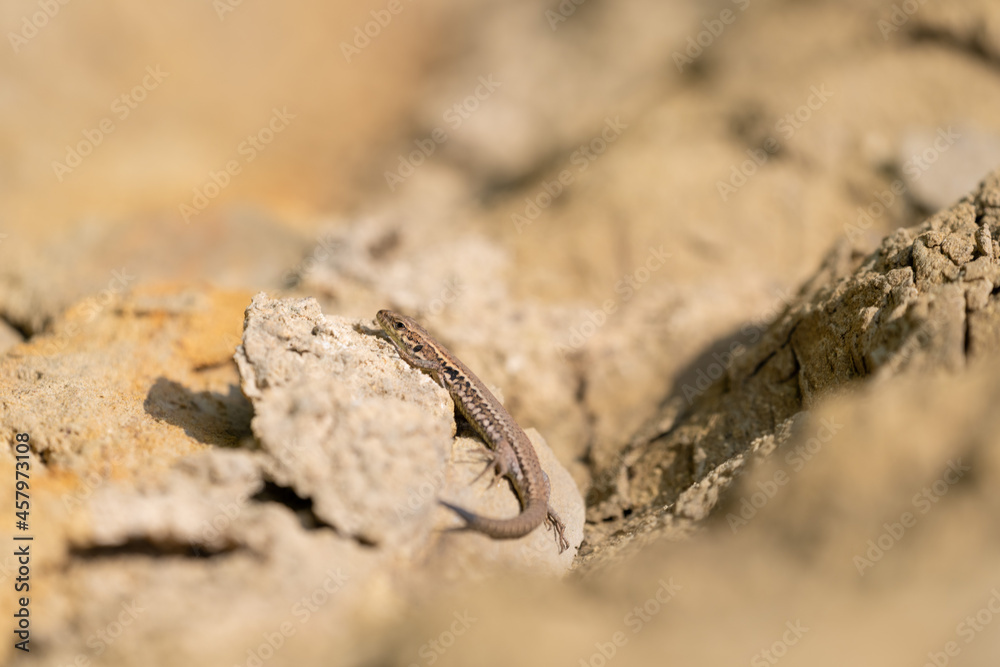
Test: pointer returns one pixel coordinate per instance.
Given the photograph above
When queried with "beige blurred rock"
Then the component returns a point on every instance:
(941, 165)
(514, 83)
(9, 337)
(97, 261)
(972, 26)
(202, 503)
(791, 554)
(152, 495)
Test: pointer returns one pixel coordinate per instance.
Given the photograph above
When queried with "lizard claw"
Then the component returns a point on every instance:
(493, 463)
(555, 524)
(503, 463)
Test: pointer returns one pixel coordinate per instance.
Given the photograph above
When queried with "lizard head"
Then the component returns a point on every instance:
(405, 333)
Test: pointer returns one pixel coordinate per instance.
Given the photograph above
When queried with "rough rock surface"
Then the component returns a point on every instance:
(342, 431)
(336, 431)
(141, 495)
(458, 285)
(337, 499)
(593, 236)
(928, 299)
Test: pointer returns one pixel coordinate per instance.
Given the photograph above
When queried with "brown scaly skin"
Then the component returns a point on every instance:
(513, 454)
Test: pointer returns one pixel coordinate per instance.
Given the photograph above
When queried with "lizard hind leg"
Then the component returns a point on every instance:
(558, 528)
(492, 463)
(503, 463)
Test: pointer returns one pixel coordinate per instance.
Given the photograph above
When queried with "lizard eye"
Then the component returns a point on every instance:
(417, 348)
(399, 325)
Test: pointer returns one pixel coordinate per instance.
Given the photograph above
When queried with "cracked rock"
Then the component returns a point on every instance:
(347, 424)
(337, 429)
(924, 301)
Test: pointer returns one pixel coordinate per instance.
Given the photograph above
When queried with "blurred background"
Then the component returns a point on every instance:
(127, 117)
(585, 197)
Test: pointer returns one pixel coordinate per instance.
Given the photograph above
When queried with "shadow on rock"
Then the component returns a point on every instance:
(213, 418)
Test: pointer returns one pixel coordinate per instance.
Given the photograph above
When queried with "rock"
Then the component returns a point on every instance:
(785, 431)
(473, 553)
(127, 388)
(114, 400)
(971, 28)
(97, 262)
(155, 496)
(9, 337)
(348, 425)
(337, 430)
(457, 286)
(940, 165)
(203, 503)
(923, 302)
(504, 84)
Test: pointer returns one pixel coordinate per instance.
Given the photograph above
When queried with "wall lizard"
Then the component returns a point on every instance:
(513, 455)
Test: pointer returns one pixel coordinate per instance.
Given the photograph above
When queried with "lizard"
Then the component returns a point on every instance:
(513, 455)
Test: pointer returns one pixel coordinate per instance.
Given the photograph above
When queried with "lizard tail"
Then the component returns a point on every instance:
(533, 514)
